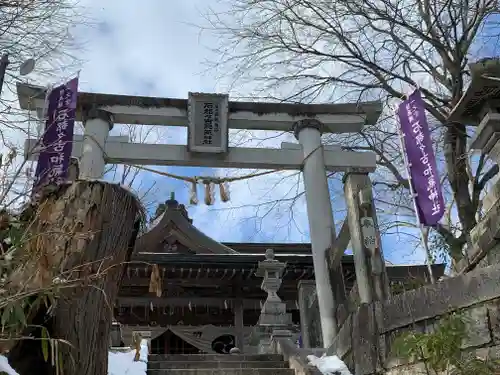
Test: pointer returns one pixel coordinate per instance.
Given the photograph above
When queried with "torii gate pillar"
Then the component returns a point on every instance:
(98, 124)
(320, 216)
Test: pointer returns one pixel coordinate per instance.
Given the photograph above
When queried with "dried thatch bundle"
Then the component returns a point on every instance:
(224, 192)
(136, 344)
(209, 193)
(155, 283)
(193, 198)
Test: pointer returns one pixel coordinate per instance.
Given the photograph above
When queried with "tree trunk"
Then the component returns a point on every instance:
(87, 231)
(455, 152)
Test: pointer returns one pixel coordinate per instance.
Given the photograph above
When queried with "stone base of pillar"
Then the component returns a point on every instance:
(281, 333)
(274, 314)
(267, 343)
(265, 346)
(270, 326)
(271, 320)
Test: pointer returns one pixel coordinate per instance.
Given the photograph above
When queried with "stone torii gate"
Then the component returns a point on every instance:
(209, 118)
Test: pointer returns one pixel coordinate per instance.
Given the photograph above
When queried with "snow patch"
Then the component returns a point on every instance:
(123, 363)
(329, 365)
(5, 367)
(118, 363)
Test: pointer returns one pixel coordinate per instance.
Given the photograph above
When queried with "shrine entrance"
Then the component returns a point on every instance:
(209, 118)
(170, 343)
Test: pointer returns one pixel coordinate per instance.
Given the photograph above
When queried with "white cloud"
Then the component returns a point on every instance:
(150, 50)
(154, 50)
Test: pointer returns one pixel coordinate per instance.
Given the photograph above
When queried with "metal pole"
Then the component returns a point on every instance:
(4, 62)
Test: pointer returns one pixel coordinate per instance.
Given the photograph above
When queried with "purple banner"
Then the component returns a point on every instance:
(57, 141)
(422, 166)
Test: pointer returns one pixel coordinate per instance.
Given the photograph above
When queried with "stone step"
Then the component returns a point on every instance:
(232, 371)
(215, 364)
(214, 357)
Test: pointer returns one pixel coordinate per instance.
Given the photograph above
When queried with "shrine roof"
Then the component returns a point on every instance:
(173, 230)
(173, 259)
(174, 242)
(289, 248)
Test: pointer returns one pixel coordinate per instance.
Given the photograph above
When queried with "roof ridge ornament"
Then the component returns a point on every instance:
(171, 202)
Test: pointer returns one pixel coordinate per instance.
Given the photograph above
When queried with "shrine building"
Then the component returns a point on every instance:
(190, 294)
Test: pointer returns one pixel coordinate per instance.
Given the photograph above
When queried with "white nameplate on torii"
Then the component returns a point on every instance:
(207, 123)
(119, 152)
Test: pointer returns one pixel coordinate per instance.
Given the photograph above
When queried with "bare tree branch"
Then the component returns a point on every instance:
(319, 50)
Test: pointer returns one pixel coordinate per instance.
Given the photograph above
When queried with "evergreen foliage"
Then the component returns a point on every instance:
(441, 349)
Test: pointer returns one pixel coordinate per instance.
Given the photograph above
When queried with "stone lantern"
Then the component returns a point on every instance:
(273, 320)
(273, 312)
(272, 272)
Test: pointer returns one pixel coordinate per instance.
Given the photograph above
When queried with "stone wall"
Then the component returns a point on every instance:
(485, 235)
(364, 340)
(311, 310)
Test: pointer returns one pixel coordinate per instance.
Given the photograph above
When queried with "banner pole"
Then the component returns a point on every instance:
(40, 127)
(423, 236)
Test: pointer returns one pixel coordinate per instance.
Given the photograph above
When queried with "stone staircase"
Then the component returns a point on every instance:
(231, 364)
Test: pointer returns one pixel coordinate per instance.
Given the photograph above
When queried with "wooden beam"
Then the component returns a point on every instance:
(338, 118)
(239, 324)
(248, 304)
(220, 261)
(203, 282)
(219, 293)
(30, 145)
(237, 157)
(161, 318)
(158, 318)
(206, 282)
(334, 259)
(340, 245)
(192, 296)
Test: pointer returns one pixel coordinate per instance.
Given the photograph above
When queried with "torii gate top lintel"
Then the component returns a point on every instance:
(144, 110)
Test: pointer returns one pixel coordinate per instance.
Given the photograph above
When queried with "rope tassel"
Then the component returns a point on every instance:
(155, 284)
(193, 198)
(224, 192)
(209, 193)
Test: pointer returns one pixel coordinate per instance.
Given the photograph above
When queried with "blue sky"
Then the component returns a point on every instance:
(153, 50)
